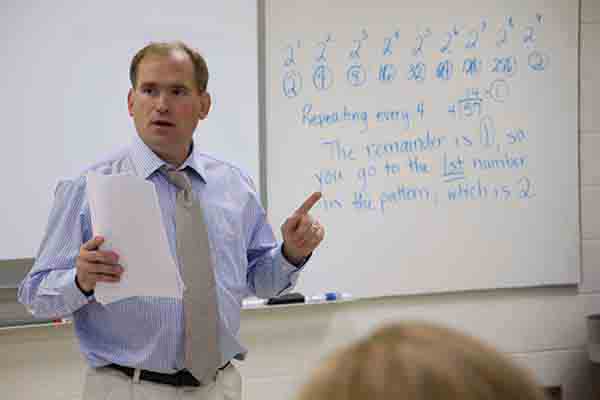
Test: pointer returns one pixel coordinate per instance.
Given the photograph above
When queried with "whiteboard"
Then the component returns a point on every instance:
(443, 139)
(65, 89)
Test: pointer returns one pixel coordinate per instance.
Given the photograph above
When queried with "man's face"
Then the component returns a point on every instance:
(166, 104)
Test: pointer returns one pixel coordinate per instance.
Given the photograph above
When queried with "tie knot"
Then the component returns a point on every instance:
(177, 178)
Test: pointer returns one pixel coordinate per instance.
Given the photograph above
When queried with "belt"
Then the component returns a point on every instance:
(180, 378)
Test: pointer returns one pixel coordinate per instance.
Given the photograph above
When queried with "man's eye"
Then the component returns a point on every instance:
(179, 92)
(149, 91)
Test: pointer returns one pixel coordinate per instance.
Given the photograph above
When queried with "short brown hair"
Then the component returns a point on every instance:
(419, 361)
(165, 48)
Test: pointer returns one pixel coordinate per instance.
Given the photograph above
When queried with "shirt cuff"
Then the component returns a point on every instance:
(85, 293)
(297, 266)
(72, 295)
(290, 268)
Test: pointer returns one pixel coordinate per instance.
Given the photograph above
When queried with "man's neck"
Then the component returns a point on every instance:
(175, 158)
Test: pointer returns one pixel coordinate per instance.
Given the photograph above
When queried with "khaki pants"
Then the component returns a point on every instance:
(109, 384)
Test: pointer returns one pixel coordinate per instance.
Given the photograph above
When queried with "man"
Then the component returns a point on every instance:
(137, 347)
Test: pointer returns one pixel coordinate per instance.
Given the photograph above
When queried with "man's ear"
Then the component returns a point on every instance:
(205, 103)
(130, 102)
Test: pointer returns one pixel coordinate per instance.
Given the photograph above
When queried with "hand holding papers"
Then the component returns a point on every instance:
(125, 211)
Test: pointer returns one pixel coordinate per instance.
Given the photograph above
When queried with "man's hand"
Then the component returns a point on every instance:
(95, 266)
(301, 232)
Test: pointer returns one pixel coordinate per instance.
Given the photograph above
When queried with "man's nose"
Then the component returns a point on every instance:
(162, 103)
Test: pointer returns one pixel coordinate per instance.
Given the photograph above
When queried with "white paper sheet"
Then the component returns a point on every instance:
(125, 211)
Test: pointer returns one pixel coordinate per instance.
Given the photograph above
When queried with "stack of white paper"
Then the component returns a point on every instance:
(125, 211)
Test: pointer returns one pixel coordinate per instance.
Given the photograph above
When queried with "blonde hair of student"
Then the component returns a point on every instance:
(419, 361)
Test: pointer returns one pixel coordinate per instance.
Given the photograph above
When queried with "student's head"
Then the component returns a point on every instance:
(419, 361)
(168, 97)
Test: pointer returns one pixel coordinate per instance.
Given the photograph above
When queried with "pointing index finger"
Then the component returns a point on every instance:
(309, 203)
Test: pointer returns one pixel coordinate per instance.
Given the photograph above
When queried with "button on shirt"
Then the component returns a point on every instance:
(147, 332)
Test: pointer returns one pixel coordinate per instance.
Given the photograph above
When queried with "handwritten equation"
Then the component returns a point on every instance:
(411, 65)
(453, 141)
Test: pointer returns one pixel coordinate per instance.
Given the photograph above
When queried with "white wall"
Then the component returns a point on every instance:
(544, 329)
(68, 103)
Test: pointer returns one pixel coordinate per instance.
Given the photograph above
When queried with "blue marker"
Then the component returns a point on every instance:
(328, 297)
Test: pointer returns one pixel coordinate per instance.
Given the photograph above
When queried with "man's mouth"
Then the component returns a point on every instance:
(163, 123)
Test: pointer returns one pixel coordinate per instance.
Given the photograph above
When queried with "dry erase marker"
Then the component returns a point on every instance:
(327, 297)
(249, 303)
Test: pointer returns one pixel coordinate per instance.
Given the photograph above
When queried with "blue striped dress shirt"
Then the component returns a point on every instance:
(147, 332)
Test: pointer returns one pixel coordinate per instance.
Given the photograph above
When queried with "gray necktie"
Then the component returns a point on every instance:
(202, 355)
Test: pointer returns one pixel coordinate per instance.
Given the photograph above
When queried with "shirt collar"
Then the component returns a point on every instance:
(147, 162)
